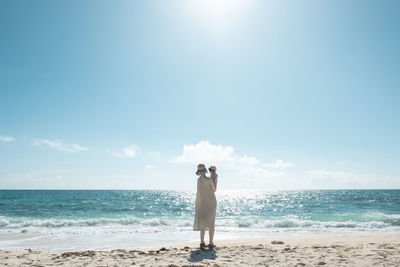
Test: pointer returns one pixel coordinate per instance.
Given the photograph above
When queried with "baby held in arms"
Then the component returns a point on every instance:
(214, 175)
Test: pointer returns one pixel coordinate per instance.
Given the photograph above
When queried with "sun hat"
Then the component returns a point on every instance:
(201, 169)
(213, 168)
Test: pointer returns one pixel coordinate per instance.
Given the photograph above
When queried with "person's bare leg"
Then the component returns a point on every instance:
(211, 236)
(202, 234)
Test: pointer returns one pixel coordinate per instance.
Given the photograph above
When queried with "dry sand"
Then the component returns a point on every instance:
(372, 249)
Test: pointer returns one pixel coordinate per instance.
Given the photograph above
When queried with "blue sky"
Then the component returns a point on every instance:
(133, 94)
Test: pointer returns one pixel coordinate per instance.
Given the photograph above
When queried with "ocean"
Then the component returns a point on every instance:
(108, 219)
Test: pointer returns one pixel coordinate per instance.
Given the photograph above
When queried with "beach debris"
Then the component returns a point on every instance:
(319, 246)
(88, 253)
(321, 263)
(275, 242)
(152, 252)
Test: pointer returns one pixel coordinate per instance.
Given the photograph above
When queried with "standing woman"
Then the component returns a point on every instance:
(206, 206)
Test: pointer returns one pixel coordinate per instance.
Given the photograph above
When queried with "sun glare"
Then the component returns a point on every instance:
(219, 13)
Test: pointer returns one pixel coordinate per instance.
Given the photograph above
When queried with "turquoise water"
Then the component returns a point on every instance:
(78, 219)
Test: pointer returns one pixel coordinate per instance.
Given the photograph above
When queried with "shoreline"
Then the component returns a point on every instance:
(355, 249)
(290, 237)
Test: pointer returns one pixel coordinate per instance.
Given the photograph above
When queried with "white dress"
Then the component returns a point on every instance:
(206, 205)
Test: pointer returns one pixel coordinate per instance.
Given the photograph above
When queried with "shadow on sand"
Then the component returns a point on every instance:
(199, 255)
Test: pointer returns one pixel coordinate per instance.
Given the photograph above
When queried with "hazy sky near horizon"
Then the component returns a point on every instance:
(133, 94)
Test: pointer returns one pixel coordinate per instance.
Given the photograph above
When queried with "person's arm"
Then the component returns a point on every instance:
(213, 187)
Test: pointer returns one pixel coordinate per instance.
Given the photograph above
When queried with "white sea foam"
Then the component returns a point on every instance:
(348, 222)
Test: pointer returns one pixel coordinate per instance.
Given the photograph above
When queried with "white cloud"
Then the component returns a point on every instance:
(248, 160)
(130, 151)
(206, 153)
(279, 164)
(149, 166)
(7, 139)
(60, 145)
(225, 156)
(259, 172)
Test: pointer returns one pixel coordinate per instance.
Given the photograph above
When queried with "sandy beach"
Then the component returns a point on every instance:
(370, 249)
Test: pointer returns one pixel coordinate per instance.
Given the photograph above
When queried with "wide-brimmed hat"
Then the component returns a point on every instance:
(213, 168)
(201, 169)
